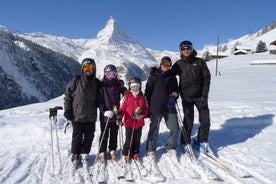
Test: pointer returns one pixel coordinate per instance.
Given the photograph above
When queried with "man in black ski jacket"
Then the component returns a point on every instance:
(161, 93)
(194, 84)
(82, 98)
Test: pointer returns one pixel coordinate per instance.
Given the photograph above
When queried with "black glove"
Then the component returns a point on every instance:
(69, 115)
(119, 123)
(203, 102)
(119, 117)
(134, 117)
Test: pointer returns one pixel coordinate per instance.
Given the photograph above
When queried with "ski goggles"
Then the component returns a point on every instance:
(110, 75)
(86, 68)
(166, 64)
(186, 48)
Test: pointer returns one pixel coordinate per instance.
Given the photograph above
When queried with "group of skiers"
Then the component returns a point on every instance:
(85, 94)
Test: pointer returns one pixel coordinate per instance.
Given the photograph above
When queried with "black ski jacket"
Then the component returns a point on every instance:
(159, 86)
(82, 98)
(111, 91)
(194, 76)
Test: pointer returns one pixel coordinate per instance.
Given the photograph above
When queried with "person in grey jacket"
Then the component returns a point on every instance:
(82, 98)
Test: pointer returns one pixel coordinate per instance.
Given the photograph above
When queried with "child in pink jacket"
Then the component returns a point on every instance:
(133, 110)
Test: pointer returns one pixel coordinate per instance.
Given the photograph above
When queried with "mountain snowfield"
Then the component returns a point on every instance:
(111, 45)
(242, 135)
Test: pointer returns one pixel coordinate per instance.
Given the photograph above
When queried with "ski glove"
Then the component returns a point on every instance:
(108, 114)
(119, 117)
(203, 102)
(118, 122)
(69, 115)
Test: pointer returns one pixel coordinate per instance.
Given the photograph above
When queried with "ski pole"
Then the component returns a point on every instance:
(137, 111)
(131, 139)
(182, 128)
(121, 137)
(52, 146)
(101, 140)
(116, 112)
(53, 119)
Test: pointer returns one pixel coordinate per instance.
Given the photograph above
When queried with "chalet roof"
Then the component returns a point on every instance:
(273, 43)
(241, 51)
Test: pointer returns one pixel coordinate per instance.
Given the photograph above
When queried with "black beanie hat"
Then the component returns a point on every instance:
(186, 43)
(166, 58)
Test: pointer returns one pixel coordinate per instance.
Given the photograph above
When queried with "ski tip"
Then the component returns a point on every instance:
(217, 179)
(247, 176)
(130, 180)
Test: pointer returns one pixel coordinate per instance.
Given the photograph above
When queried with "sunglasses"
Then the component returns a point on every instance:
(166, 64)
(86, 68)
(186, 48)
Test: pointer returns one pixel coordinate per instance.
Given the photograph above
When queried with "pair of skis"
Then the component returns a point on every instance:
(219, 163)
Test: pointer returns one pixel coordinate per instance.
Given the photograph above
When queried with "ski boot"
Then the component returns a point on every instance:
(112, 155)
(84, 160)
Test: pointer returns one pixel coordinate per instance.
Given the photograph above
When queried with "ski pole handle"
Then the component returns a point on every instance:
(53, 111)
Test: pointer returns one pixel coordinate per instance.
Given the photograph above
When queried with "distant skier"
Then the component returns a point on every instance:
(82, 97)
(161, 92)
(194, 87)
(111, 90)
(133, 110)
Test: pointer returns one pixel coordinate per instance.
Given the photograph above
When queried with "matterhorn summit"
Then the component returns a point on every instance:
(112, 33)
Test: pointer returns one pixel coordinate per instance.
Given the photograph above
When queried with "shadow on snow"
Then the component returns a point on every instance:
(238, 130)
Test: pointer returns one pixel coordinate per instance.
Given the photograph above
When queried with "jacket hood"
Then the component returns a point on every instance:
(153, 70)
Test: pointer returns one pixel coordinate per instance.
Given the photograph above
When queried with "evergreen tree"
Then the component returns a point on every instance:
(206, 56)
(261, 47)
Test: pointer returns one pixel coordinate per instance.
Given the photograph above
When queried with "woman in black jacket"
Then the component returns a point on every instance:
(82, 97)
(161, 93)
(112, 90)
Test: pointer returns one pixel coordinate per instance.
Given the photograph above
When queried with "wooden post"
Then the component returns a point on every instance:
(217, 55)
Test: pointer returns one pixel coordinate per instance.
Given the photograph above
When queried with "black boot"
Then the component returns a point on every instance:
(75, 157)
(75, 161)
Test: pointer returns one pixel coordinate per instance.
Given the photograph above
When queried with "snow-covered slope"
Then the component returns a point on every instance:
(31, 73)
(242, 135)
(246, 42)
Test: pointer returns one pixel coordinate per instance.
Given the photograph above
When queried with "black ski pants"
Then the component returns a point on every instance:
(188, 121)
(111, 133)
(135, 145)
(82, 137)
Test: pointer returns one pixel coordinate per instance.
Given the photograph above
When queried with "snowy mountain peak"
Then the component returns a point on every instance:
(113, 33)
(3, 28)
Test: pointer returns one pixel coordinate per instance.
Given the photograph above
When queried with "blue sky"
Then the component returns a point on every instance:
(156, 24)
